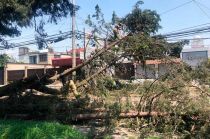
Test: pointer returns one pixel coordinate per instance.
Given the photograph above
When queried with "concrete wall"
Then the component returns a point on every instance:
(14, 71)
(17, 66)
(145, 72)
(24, 58)
(152, 71)
(163, 69)
(50, 56)
(65, 56)
(195, 56)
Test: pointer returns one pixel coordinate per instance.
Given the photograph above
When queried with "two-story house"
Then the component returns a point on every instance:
(39, 57)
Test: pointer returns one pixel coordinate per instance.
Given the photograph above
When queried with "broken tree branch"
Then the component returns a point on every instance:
(99, 53)
(85, 81)
(21, 85)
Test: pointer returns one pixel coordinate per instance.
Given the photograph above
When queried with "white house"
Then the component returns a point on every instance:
(39, 57)
(196, 53)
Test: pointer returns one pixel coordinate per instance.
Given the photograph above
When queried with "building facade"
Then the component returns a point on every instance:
(39, 57)
(195, 56)
(196, 53)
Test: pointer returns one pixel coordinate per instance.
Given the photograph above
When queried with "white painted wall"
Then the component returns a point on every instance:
(147, 72)
(195, 56)
(24, 58)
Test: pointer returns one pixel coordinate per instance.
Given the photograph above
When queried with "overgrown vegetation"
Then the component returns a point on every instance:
(181, 107)
(11, 129)
(175, 105)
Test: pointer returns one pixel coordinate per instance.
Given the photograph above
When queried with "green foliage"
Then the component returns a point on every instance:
(98, 24)
(109, 83)
(20, 13)
(115, 18)
(201, 73)
(142, 21)
(4, 58)
(10, 129)
(142, 47)
(174, 49)
(98, 14)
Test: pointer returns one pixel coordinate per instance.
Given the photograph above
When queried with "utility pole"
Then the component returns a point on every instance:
(73, 41)
(84, 45)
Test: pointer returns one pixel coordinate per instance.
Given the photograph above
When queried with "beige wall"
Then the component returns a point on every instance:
(15, 66)
(65, 56)
(50, 56)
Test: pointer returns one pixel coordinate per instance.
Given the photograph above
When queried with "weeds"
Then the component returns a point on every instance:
(11, 129)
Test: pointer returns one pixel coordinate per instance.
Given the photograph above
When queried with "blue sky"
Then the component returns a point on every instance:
(187, 16)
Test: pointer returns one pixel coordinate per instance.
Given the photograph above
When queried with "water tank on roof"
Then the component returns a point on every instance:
(23, 50)
(197, 42)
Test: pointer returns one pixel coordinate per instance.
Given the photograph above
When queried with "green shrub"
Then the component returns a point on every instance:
(11, 129)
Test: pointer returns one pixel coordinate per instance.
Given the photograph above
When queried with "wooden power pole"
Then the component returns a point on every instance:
(85, 45)
(73, 40)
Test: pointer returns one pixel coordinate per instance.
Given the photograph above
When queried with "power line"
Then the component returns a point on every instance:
(188, 39)
(184, 29)
(204, 12)
(204, 5)
(179, 6)
(188, 32)
(51, 38)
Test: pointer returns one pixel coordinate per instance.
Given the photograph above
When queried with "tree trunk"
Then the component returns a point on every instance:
(103, 115)
(19, 86)
(99, 53)
(35, 82)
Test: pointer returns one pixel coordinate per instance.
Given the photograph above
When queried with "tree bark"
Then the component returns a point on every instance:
(33, 82)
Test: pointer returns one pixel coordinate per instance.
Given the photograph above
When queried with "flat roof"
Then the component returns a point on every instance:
(196, 49)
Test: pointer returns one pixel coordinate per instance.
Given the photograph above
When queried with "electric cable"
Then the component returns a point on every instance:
(179, 6)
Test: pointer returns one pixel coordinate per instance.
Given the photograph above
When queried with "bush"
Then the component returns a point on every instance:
(11, 129)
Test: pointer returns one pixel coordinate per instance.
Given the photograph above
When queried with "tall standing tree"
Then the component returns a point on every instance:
(142, 24)
(144, 43)
(142, 21)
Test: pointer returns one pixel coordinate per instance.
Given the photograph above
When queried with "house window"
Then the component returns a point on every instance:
(43, 58)
(33, 59)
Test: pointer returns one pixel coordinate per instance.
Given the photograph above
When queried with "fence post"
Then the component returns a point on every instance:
(45, 69)
(26, 72)
(156, 71)
(5, 75)
(135, 70)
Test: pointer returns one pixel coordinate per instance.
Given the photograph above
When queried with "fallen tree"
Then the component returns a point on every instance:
(85, 81)
(34, 82)
(131, 114)
(97, 54)
(38, 83)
